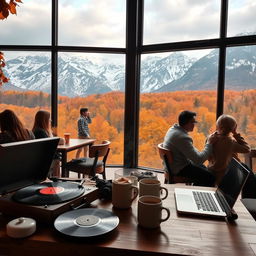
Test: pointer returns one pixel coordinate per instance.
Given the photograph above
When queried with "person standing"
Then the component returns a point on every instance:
(83, 129)
(188, 160)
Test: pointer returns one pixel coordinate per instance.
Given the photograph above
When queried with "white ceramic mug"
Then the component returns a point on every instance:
(123, 193)
(152, 187)
(150, 212)
(133, 179)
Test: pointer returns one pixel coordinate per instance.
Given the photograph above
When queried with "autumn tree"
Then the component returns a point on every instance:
(5, 9)
(3, 78)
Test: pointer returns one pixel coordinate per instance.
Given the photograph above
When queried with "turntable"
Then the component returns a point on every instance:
(24, 169)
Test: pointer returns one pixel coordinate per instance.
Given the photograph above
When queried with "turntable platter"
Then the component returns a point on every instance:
(48, 193)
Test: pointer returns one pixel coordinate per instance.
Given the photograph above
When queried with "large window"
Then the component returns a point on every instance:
(240, 93)
(168, 57)
(29, 87)
(171, 83)
(175, 21)
(241, 18)
(92, 23)
(95, 81)
(31, 26)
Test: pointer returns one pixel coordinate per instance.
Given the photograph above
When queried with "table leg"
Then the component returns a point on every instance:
(64, 171)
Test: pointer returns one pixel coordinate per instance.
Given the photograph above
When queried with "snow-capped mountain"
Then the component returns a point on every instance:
(80, 76)
(157, 72)
(240, 72)
(77, 76)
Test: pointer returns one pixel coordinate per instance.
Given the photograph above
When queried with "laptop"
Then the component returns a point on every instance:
(217, 203)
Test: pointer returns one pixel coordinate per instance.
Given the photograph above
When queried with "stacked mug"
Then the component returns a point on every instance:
(151, 194)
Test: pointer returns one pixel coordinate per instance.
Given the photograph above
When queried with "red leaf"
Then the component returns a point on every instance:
(12, 7)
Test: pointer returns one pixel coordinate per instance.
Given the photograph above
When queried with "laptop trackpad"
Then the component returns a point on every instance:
(185, 202)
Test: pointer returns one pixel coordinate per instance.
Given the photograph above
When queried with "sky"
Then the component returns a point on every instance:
(102, 22)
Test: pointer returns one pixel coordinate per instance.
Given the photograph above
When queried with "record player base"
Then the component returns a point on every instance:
(46, 213)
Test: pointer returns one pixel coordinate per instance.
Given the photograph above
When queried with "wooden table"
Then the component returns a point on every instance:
(180, 235)
(73, 145)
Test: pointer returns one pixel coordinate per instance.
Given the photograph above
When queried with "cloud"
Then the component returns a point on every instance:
(94, 23)
(30, 26)
(102, 22)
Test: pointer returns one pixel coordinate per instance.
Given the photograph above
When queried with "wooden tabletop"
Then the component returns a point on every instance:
(75, 144)
(180, 235)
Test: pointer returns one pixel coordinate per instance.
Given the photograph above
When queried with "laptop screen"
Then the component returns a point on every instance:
(233, 181)
(25, 163)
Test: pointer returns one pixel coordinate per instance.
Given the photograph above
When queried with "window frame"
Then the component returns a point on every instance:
(133, 51)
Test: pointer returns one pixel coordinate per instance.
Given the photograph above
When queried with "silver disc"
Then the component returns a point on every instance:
(86, 222)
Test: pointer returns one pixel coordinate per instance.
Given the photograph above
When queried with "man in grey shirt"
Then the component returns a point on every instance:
(187, 160)
(83, 129)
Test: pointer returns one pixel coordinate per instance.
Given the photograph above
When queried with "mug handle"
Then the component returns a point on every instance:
(166, 192)
(135, 192)
(168, 214)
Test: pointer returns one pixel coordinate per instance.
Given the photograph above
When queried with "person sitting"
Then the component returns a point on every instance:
(228, 144)
(12, 129)
(42, 129)
(42, 125)
(187, 160)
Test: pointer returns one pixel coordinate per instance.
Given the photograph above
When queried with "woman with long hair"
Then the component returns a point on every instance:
(42, 129)
(42, 125)
(12, 128)
(227, 145)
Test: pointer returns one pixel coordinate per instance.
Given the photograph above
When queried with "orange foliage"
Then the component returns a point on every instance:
(6, 8)
(158, 111)
(3, 78)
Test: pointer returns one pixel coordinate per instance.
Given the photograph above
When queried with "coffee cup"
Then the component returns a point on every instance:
(123, 193)
(150, 212)
(67, 137)
(152, 187)
(133, 179)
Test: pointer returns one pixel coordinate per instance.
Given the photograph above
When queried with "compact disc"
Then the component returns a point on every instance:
(86, 222)
(48, 193)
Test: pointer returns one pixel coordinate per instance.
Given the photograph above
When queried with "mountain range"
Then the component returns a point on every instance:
(81, 76)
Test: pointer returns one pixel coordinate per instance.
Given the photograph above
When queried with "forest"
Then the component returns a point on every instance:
(158, 111)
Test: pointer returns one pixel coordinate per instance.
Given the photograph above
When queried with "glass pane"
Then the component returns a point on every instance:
(175, 21)
(170, 84)
(29, 87)
(241, 17)
(31, 25)
(92, 23)
(95, 81)
(240, 92)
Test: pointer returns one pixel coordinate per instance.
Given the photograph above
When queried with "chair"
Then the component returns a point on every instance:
(95, 163)
(249, 158)
(166, 156)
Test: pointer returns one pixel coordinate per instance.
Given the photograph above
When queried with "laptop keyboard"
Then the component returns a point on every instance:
(204, 201)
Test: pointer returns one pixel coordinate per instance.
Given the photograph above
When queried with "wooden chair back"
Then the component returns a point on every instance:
(99, 150)
(166, 155)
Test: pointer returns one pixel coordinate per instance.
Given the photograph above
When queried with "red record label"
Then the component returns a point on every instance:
(51, 190)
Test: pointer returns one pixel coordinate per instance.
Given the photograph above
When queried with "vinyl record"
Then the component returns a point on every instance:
(86, 223)
(48, 193)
